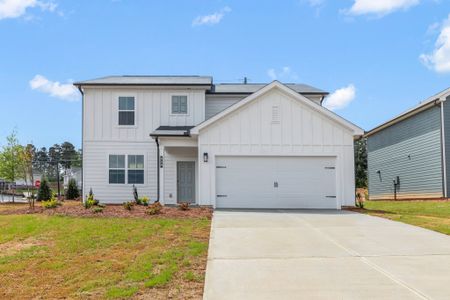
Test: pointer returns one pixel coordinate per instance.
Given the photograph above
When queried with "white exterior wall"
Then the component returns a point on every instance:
(301, 131)
(96, 170)
(102, 135)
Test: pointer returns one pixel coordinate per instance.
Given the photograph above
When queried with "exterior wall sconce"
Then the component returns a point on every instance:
(205, 157)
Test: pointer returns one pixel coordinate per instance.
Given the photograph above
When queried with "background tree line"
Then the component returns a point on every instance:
(19, 161)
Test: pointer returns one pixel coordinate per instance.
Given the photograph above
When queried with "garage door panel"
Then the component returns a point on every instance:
(276, 182)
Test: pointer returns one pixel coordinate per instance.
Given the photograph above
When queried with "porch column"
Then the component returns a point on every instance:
(161, 165)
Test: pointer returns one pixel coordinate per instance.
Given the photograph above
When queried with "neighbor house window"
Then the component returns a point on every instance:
(117, 169)
(179, 104)
(136, 169)
(126, 111)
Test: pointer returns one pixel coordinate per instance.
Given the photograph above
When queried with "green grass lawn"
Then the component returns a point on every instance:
(434, 215)
(71, 257)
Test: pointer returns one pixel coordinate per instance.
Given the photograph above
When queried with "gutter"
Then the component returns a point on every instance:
(157, 170)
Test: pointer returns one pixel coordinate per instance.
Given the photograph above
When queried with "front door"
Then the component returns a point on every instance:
(186, 181)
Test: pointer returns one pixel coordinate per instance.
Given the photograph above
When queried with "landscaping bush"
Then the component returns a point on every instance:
(52, 203)
(359, 200)
(44, 193)
(97, 210)
(154, 209)
(143, 201)
(72, 190)
(183, 206)
(90, 200)
(128, 205)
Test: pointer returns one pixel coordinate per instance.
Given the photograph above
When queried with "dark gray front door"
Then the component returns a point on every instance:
(186, 181)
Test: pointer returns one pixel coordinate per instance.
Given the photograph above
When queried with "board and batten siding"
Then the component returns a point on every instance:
(298, 131)
(103, 136)
(214, 104)
(410, 149)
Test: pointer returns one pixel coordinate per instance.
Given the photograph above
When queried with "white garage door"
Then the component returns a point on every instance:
(275, 182)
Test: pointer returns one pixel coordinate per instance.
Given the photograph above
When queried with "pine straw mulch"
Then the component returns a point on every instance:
(76, 209)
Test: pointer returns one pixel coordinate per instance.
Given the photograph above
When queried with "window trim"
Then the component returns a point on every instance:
(135, 169)
(117, 110)
(126, 153)
(124, 168)
(187, 104)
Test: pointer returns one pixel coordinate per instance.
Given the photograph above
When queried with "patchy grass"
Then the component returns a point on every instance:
(434, 215)
(102, 258)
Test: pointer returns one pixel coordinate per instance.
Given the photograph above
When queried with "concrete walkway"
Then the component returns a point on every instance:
(323, 255)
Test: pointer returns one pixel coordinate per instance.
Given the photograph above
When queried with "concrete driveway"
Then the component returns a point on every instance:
(323, 255)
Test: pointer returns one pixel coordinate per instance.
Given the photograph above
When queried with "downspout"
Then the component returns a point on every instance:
(82, 142)
(444, 160)
(157, 169)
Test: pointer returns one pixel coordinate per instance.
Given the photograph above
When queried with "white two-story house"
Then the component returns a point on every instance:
(186, 139)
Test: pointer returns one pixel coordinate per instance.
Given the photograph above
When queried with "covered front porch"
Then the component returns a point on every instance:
(177, 165)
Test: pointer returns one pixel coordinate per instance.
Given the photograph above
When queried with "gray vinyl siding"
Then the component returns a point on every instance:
(214, 104)
(447, 139)
(410, 149)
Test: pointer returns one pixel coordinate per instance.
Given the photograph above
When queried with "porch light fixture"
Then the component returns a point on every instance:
(205, 157)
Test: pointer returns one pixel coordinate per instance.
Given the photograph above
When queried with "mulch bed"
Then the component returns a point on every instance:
(76, 209)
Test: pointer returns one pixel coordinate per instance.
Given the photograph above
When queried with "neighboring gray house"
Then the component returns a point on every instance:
(408, 155)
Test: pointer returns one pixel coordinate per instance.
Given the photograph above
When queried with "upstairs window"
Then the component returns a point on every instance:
(179, 104)
(126, 111)
(135, 169)
(117, 169)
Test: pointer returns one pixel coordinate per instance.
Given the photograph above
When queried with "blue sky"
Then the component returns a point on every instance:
(382, 57)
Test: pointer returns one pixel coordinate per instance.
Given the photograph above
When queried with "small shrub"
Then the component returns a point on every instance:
(44, 193)
(72, 190)
(97, 210)
(154, 209)
(359, 200)
(143, 201)
(183, 206)
(128, 205)
(90, 200)
(52, 203)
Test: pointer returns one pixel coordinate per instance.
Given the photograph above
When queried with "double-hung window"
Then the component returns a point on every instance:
(126, 111)
(179, 105)
(136, 169)
(126, 169)
(117, 169)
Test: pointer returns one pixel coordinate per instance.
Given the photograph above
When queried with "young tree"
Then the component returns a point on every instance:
(361, 163)
(27, 158)
(10, 160)
(72, 190)
(44, 193)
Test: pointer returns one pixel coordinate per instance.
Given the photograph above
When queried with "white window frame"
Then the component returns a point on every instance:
(187, 105)
(143, 168)
(124, 168)
(126, 154)
(117, 110)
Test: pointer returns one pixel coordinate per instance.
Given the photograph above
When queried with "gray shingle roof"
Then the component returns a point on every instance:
(148, 80)
(235, 88)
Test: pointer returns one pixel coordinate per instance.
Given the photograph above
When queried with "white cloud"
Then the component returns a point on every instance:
(65, 91)
(379, 7)
(285, 73)
(315, 3)
(17, 8)
(439, 59)
(340, 98)
(212, 19)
